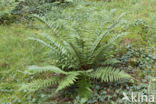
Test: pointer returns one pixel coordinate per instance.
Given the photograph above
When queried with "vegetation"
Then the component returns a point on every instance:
(81, 58)
(76, 52)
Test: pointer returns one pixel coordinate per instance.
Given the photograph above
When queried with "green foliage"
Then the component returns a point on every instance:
(84, 17)
(142, 58)
(75, 62)
(5, 15)
(39, 7)
(84, 90)
(37, 84)
(67, 80)
(113, 92)
(36, 69)
(109, 74)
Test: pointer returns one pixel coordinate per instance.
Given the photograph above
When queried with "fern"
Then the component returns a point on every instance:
(76, 58)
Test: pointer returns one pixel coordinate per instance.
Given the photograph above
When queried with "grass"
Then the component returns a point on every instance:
(16, 52)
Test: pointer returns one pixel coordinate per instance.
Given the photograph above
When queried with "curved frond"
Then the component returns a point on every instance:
(61, 49)
(115, 37)
(56, 43)
(49, 24)
(65, 50)
(72, 50)
(99, 51)
(95, 49)
(100, 38)
(84, 90)
(39, 83)
(110, 62)
(109, 74)
(41, 42)
(67, 80)
(37, 69)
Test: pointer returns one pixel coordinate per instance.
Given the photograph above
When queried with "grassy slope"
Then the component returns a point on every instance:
(16, 52)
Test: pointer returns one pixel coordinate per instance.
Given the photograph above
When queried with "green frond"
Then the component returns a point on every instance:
(49, 24)
(99, 51)
(109, 74)
(41, 42)
(96, 49)
(86, 71)
(64, 49)
(84, 90)
(115, 37)
(78, 47)
(72, 50)
(60, 50)
(100, 38)
(110, 62)
(67, 80)
(56, 43)
(55, 46)
(39, 83)
(37, 69)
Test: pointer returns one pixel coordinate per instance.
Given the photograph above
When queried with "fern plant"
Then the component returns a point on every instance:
(78, 59)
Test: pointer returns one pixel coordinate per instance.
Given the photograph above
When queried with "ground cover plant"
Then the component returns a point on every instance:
(73, 48)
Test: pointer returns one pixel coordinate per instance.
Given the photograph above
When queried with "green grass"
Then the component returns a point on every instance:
(16, 52)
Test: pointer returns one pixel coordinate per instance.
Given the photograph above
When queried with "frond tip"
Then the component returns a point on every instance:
(37, 69)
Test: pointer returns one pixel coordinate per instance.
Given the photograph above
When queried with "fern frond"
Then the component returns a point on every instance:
(115, 37)
(110, 62)
(39, 83)
(98, 51)
(56, 42)
(84, 90)
(49, 24)
(109, 74)
(67, 80)
(72, 50)
(64, 48)
(60, 50)
(41, 42)
(79, 48)
(37, 69)
(100, 38)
